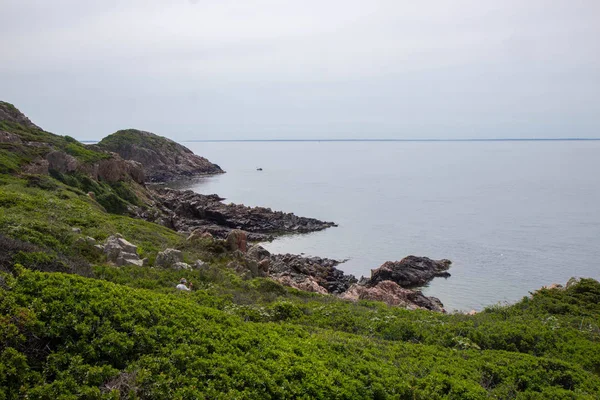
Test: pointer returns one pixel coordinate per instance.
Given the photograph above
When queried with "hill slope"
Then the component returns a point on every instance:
(163, 159)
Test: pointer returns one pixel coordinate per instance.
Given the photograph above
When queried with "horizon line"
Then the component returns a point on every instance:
(398, 140)
(383, 140)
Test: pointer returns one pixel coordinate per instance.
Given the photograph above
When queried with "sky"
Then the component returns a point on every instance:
(276, 69)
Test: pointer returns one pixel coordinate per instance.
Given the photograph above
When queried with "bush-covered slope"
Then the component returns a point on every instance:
(66, 335)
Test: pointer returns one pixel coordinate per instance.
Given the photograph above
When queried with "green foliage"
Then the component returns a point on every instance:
(133, 137)
(105, 340)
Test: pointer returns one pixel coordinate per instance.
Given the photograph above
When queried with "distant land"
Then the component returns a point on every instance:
(385, 140)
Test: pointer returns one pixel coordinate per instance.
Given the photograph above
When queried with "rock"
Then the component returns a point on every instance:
(37, 167)
(126, 246)
(392, 294)
(7, 137)
(181, 265)
(162, 159)
(121, 252)
(199, 264)
(259, 253)
(112, 249)
(187, 211)
(236, 240)
(125, 259)
(92, 195)
(88, 240)
(307, 284)
(410, 271)
(116, 169)
(62, 162)
(320, 270)
(553, 286)
(168, 258)
(76, 230)
(199, 234)
(572, 282)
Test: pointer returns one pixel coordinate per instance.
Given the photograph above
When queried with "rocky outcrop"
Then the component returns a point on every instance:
(236, 241)
(163, 159)
(121, 252)
(168, 258)
(187, 211)
(7, 137)
(296, 271)
(10, 113)
(410, 271)
(391, 293)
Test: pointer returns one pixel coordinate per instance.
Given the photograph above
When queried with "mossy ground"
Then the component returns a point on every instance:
(127, 333)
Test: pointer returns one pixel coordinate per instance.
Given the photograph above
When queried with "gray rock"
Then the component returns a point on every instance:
(168, 257)
(129, 259)
(258, 253)
(76, 230)
(410, 271)
(181, 265)
(199, 264)
(121, 252)
(126, 246)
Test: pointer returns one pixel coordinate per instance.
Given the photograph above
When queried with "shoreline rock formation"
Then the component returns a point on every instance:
(411, 271)
(187, 211)
(162, 159)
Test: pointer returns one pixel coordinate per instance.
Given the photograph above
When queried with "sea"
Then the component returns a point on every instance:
(512, 216)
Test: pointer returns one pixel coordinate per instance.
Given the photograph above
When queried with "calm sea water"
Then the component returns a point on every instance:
(512, 216)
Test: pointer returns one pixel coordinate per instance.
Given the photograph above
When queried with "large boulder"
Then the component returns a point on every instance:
(392, 294)
(162, 159)
(121, 252)
(323, 271)
(411, 271)
(168, 258)
(237, 240)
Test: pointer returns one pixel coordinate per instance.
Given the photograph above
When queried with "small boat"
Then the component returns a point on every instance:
(259, 169)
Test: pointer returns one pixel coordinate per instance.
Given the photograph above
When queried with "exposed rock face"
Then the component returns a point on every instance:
(121, 252)
(163, 159)
(411, 271)
(168, 258)
(236, 240)
(37, 167)
(186, 211)
(391, 293)
(298, 269)
(116, 169)
(62, 162)
(10, 113)
(7, 137)
(306, 284)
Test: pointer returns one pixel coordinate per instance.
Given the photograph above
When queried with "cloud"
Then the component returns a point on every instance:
(308, 68)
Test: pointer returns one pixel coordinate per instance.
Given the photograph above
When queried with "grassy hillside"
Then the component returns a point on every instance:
(74, 326)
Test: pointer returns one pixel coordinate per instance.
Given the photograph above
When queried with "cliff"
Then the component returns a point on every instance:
(163, 159)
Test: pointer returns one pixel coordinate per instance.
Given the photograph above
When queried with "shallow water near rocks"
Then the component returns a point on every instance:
(512, 216)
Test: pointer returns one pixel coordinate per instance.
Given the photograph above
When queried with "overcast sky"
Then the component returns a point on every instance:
(262, 69)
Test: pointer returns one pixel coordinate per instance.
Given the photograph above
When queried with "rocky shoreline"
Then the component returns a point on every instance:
(187, 211)
(237, 226)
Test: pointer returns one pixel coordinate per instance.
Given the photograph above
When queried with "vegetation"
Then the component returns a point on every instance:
(128, 137)
(73, 326)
